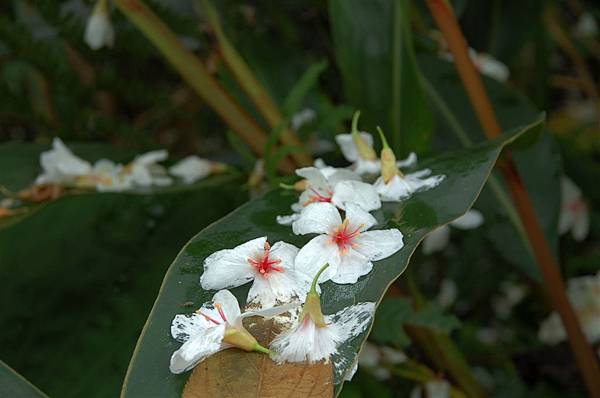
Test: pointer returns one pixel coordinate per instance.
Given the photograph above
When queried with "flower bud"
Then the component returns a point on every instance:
(389, 169)
(365, 151)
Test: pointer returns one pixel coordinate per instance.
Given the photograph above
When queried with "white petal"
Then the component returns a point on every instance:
(566, 219)
(353, 265)
(394, 191)
(315, 178)
(305, 342)
(418, 183)
(229, 305)
(357, 192)
(99, 31)
(552, 330)
(581, 226)
(410, 160)
(186, 326)
(287, 220)
(230, 267)
(367, 166)
(359, 217)
(197, 348)
(377, 245)
(348, 147)
(279, 287)
(317, 218)
(191, 169)
(335, 176)
(470, 220)
(152, 157)
(436, 240)
(273, 311)
(315, 254)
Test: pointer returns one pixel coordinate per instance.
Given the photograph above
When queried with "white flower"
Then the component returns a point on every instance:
(271, 268)
(574, 212)
(60, 165)
(346, 246)
(438, 239)
(214, 327)
(489, 65)
(99, 31)
(512, 294)
(373, 358)
(402, 187)
(584, 295)
(447, 294)
(310, 341)
(145, 171)
(191, 169)
(106, 176)
(303, 117)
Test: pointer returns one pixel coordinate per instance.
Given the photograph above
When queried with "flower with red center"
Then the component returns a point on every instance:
(574, 212)
(271, 268)
(346, 245)
(335, 186)
(215, 327)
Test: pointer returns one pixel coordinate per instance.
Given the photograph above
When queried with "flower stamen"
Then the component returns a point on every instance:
(317, 197)
(265, 265)
(208, 318)
(221, 313)
(343, 237)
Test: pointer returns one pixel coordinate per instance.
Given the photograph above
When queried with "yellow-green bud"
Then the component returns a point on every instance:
(389, 169)
(364, 150)
(242, 339)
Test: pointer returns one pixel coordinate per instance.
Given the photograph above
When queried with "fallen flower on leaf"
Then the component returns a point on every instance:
(215, 327)
(438, 239)
(271, 268)
(194, 168)
(574, 212)
(357, 148)
(346, 245)
(60, 165)
(393, 185)
(145, 171)
(316, 337)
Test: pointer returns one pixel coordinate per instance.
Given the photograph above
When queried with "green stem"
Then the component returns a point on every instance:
(260, 348)
(251, 85)
(383, 139)
(315, 282)
(195, 74)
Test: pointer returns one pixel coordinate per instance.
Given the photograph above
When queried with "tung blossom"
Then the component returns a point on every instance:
(99, 31)
(61, 166)
(393, 185)
(145, 171)
(357, 148)
(271, 268)
(574, 211)
(315, 337)
(194, 168)
(330, 185)
(584, 295)
(345, 245)
(214, 327)
(438, 239)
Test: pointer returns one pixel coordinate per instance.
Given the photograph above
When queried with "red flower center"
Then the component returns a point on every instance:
(343, 236)
(317, 197)
(264, 264)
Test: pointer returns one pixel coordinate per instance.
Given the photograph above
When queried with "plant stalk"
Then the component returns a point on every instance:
(252, 86)
(584, 356)
(195, 74)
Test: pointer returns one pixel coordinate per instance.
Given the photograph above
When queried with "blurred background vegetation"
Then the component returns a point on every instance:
(78, 292)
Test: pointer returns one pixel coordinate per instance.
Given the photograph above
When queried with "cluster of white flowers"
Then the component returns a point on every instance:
(334, 205)
(62, 167)
(584, 295)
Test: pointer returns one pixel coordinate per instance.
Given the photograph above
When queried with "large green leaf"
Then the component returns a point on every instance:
(374, 51)
(538, 164)
(148, 374)
(83, 271)
(13, 385)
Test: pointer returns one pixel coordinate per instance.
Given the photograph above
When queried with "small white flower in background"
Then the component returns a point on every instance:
(214, 327)
(303, 117)
(574, 212)
(393, 185)
(512, 294)
(106, 176)
(346, 246)
(586, 25)
(315, 337)
(436, 388)
(61, 166)
(145, 171)
(447, 294)
(438, 239)
(191, 169)
(357, 148)
(336, 186)
(489, 66)
(275, 280)
(584, 295)
(373, 358)
(99, 31)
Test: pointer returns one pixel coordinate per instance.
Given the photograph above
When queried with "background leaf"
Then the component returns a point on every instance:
(13, 385)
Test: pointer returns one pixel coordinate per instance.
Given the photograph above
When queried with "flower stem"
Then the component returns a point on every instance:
(260, 348)
(315, 282)
(584, 356)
